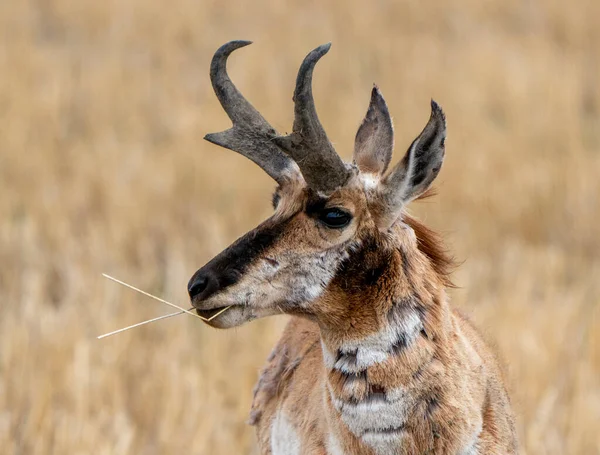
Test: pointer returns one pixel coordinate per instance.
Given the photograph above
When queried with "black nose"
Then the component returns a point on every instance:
(202, 285)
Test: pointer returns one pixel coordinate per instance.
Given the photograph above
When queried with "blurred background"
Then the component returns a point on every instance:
(103, 106)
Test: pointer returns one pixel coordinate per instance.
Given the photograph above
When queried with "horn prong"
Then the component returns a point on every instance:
(251, 135)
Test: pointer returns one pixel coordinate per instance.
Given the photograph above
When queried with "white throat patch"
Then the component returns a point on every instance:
(284, 438)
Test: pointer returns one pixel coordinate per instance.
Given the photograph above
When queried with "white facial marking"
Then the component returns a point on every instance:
(284, 438)
(272, 283)
(369, 181)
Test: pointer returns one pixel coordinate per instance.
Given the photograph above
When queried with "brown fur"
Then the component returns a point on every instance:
(444, 380)
(374, 360)
(451, 388)
(455, 377)
(431, 245)
(451, 378)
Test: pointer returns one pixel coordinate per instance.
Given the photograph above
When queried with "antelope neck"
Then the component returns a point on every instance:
(374, 381)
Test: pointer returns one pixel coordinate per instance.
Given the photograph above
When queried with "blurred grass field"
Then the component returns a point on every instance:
(103, 106)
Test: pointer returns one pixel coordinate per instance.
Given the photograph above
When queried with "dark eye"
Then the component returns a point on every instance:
(335, 218)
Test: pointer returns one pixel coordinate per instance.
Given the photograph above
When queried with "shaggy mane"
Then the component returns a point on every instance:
(431, 245)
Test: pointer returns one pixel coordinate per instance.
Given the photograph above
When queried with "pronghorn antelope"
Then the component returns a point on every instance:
(374, 360)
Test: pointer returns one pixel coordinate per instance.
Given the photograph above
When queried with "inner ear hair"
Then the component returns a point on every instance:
(413, 175)
(374, 140)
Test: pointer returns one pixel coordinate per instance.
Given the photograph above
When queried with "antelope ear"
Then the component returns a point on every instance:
(375, 137)
(420, 166)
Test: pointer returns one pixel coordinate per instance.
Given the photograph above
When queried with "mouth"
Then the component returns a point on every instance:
(208, 314)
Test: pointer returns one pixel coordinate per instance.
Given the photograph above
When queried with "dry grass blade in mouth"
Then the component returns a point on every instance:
(141, 323)
(177, 313)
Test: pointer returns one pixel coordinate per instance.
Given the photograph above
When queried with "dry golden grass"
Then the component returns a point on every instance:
(102, 169)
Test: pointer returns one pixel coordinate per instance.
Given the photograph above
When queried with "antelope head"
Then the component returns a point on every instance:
(300, 259)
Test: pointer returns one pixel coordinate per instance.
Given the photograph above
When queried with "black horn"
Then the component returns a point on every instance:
(308, 144)
(251, 135)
